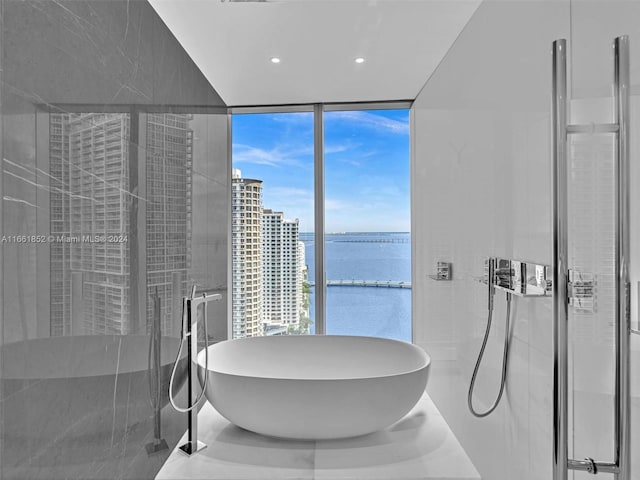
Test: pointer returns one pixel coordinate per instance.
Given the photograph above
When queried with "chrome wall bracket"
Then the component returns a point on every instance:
(592, 466)
(582, 291)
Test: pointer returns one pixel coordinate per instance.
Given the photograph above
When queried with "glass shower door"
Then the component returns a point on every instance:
(592, 234)
(592, 237)
(592, 245)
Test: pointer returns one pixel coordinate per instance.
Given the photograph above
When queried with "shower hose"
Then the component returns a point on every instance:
(505, 360)
(183, 337)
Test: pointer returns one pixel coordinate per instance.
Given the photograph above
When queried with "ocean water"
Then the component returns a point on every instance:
(374, 311)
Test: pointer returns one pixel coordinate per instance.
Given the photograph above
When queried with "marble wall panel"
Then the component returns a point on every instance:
(58, 420)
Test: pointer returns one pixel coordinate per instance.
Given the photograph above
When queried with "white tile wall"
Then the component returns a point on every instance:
(482, 187)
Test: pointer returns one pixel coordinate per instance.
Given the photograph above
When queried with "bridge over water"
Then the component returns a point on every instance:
(366, 283)
(360, 240)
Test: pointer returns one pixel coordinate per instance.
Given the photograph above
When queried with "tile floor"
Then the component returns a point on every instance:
(419, 447)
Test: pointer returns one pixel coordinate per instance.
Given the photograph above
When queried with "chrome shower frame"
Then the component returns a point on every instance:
(620, 467)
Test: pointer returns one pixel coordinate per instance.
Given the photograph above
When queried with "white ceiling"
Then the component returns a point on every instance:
(232, 43)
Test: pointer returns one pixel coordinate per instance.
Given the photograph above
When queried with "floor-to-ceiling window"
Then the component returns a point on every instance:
(367, 223)
(365, 227)
(272, 223)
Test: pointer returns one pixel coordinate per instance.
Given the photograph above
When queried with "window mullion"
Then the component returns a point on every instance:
(318, 160)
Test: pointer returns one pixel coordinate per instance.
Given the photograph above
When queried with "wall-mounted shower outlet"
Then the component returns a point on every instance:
(444, 271)
(505, 273)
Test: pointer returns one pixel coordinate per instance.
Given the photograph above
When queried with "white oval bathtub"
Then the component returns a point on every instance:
(314, 386)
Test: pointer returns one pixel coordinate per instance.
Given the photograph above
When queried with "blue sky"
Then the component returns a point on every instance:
(366, 166)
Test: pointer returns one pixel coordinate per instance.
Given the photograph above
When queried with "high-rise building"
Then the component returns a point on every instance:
(60, 252)
(302, 279)
(268, 264)
(89, 181)
(282, 272)
(90, 207)
(246, 240)
(169, 173)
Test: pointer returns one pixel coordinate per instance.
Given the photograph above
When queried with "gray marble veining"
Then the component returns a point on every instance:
(82, 411)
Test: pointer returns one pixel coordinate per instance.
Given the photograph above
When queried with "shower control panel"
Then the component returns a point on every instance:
(524, 279)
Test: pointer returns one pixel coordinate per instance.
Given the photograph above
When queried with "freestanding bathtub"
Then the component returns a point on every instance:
(314, 386)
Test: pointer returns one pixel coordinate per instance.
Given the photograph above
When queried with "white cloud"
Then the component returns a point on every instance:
(339, 148)
(258, 156)
(372, 120)
(332, 204)
(291, 193)
(295, 118)
(274, 157)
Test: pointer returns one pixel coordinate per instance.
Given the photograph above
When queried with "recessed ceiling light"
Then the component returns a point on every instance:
(359, 60)
(275, 60)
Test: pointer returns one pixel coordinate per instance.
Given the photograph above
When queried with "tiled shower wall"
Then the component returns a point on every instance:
(107, 126)
(482, 187)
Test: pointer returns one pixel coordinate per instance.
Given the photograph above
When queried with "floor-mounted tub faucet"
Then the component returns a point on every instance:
(190, 334)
